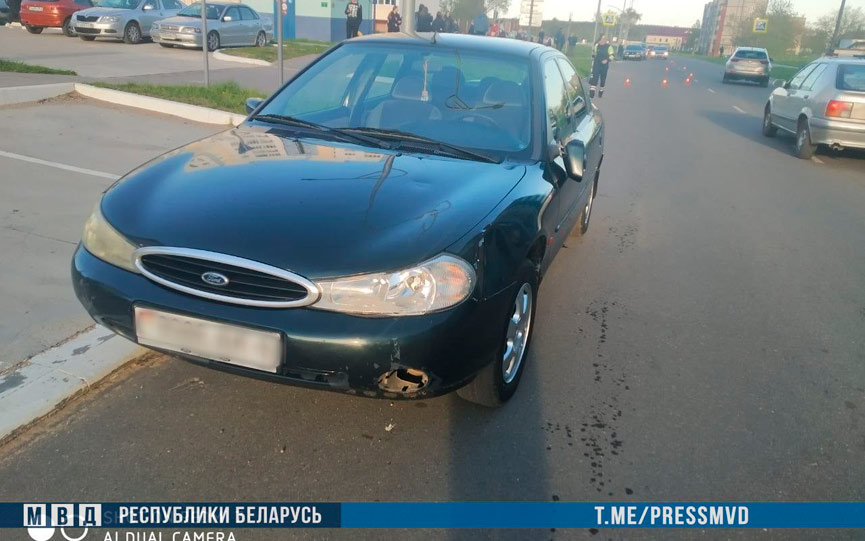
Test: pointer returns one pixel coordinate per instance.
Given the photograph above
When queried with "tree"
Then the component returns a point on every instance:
(693, 35)
(785, 32)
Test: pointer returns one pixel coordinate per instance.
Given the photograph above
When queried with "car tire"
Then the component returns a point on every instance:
(34, 29)
(804, 148)
(769, 130)
(132, 34)
(212, 40)
(765, 82)
(167, 45)
(87, 38)
(494, 384)
(67, 28)
(261, 39)
(582, 226)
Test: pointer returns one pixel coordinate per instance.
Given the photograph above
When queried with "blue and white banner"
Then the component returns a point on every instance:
(223, 516)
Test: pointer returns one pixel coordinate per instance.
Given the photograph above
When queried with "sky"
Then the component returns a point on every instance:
(667, 12)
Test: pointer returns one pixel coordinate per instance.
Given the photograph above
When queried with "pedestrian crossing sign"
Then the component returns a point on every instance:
(609, 19)
(761, 26)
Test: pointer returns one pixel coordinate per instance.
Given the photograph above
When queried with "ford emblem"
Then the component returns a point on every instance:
(214, 279)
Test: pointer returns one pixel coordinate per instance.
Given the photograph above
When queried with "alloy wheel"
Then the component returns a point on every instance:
(517, 335)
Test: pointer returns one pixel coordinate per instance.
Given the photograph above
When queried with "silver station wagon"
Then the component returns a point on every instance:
(129, 20)
(823, 104)
(227, 25)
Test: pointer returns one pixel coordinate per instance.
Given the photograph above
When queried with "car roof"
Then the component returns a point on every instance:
(751, 49)
(462, 41)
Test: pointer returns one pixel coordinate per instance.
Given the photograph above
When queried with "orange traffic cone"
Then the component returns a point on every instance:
(627, 81)
(687, 81)
(664, 82)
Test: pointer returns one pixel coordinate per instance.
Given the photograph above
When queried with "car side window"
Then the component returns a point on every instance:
(809, 81)
(248, 14)
(797, 79)
(556, 99)
(575, 87)
(232, 12)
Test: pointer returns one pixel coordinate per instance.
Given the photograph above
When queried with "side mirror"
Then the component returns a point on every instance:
(227, 18)
(786, 85)
(252, 104)
(575, 159)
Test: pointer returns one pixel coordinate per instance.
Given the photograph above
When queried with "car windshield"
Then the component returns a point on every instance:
(851, 77)
(194, 10)
(474, 100)
(751, 55)
(661, 48)
(633, 48)
(119, 4)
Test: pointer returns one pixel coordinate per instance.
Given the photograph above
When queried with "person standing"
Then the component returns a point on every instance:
(560, 40)
(394, 20)
(353, 17)
(424, 20)
(481, 24)
(600, 66)
(438, 24)
(451, 24)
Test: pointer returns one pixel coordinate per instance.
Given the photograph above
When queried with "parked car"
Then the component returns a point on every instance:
(39, 14)
(634, 51)
(660, 51)
(749, 64)
(823, 104)
(379, 226)
(128, 20)
(5, 13)
(227, 25)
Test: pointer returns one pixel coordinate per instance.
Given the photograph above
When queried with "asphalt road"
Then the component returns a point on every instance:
(703, 342)
(82, 144)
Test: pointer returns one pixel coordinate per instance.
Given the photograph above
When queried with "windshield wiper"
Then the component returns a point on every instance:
(443, 148)
(339, 132)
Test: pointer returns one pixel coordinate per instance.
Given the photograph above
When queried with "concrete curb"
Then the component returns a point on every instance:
(159, 105)
(36, 387)
(12, 95)
(219, 55)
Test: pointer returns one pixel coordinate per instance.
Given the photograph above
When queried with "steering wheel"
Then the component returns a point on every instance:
(481, 119)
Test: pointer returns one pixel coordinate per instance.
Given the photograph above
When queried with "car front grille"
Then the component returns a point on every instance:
(247, 282)
(87, 18)
(87, 30)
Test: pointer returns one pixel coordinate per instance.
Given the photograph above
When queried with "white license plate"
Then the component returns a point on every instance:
(167, 35)
(35, 8)
(261, 350)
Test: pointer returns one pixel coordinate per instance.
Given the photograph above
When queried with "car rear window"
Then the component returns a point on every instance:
(751, 55)
(851, 77)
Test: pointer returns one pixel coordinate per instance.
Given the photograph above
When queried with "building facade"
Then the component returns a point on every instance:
(721, 21)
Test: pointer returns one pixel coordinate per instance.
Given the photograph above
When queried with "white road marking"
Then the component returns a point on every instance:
(56, 165)
(817, 160)
(710, 90)
(736, 107)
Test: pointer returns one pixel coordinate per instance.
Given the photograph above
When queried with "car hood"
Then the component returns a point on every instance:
(193, 22)
(105, 12)
(314, 207)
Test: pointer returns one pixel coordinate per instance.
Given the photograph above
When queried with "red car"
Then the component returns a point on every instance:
(36, 15)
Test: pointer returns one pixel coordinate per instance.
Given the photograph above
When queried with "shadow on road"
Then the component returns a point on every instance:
(749, 127)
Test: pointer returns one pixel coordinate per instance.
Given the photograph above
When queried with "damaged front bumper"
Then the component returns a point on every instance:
(394, 357)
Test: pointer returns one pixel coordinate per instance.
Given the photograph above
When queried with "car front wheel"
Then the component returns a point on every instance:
(768, 129)
(212, 41)
(497, 382)
(132, 34)
(67, 28)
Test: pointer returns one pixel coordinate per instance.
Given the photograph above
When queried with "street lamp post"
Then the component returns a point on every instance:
(837, 31)
(597, 20)
(204, 44)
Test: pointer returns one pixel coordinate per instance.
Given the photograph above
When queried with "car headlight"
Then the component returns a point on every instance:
(437, 284)
(104, 242)
(109, 19)
(190, 30)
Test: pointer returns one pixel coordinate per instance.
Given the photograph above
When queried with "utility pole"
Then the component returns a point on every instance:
(408, 22)
(204, 45)
(597, 20)
(531, 12)
(279, 16)
(622, 21)
(568, 39)
(834, 42)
